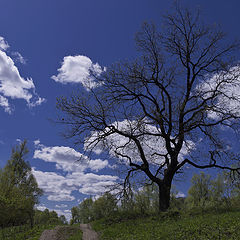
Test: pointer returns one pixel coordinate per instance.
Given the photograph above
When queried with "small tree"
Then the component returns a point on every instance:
(19, 190)
(75, 215)
(63, 219)
(199, 193)
(219, 188)
(142, 202)
(104, 206)
(166, 109)
(86, 210)
(146, 199)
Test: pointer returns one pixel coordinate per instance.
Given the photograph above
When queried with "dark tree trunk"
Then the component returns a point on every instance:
(30, 214)
(164, 196)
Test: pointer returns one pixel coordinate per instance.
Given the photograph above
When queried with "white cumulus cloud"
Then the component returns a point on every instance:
(61, 206)
(55, 186)
(59, 187)
(12, 84)
(226, 87)
(67, 159)
(76, 69)
(180, 195)
(119, 146)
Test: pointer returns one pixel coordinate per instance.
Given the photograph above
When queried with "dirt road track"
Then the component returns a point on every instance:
(51, 235)
(59, 233)
(88, 233)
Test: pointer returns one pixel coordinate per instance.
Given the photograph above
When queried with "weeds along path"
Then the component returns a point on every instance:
(88, 233)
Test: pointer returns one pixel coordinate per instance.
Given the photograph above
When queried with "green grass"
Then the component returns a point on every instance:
(77, 235)
(26, 233)
(23, 232)
(222, 226)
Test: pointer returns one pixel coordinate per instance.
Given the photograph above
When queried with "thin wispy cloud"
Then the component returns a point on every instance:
(3, 44)
(18, 57)
(119, 146)
(226, 87)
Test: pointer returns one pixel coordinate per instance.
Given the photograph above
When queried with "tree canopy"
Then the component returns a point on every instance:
(19, 191)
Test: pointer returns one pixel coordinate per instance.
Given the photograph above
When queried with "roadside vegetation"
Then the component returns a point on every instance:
(19, 194)
(43, 220)
(24, 232)
(213, 225)
(211, 210)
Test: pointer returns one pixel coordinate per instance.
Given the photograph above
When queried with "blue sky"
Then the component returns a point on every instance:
(42, 39)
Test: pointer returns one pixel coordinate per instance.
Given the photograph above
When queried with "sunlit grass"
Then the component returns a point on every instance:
(25, 232)
(76, 236)
(202, 226)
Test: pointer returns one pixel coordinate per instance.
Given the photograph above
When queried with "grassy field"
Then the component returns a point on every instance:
(201, 226)
(23, 232)
(26, 233)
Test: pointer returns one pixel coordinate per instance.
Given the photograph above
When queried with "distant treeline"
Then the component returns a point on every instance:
(47, 217)
(205, 193)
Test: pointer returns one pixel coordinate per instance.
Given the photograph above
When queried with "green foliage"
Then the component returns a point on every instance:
(199, 193)
(76, 235)
(23, 232)
(48, 217)
(19, 190)
(144, 200)
(104, 206)
(219, 191)
(63, 219)
(89, 210)
(208, 193)
(75, 215)
(86, 211)
(204, 195)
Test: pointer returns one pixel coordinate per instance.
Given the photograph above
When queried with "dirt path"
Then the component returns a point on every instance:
(59, 233)
(88, 233)
(50, 235)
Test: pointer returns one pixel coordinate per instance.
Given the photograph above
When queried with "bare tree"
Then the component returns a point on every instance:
(167, 108)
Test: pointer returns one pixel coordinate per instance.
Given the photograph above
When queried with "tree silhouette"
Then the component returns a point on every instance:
(167, 108)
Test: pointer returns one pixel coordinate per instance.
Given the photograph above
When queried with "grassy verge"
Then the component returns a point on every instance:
(77, 235)
(224, 226)
(26, 233)
(23, 232)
